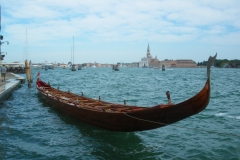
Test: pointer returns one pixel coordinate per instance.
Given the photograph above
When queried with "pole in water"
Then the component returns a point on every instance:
(30, 71)
(27, 73)
(163, 67)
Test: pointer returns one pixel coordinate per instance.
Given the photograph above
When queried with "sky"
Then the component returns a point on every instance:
(111, 31)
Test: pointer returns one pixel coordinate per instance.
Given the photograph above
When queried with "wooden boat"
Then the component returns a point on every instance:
(121, 117)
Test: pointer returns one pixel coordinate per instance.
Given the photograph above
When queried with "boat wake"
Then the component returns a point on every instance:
(225, 115)
(220, 114)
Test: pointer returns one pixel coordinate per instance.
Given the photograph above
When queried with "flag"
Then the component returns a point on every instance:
(38, 75)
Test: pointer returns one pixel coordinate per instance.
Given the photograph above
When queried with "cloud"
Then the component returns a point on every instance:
(51, 22)
(127, 17)
(229, 39)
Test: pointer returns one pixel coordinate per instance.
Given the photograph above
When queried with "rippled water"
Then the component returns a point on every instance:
(31, 129)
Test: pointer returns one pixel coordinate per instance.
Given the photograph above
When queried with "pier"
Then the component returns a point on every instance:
(12, 82)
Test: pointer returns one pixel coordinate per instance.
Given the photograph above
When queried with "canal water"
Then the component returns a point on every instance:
(31, 129)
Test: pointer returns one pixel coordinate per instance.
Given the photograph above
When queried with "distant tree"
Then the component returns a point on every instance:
(204, 63)
(217, 64)
(222, 63)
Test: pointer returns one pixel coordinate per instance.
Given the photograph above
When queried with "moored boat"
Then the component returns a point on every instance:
(116, 67)
(122, 117)
(47, 66)
(73, 67)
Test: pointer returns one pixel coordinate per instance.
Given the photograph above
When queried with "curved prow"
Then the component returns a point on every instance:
(210, 63)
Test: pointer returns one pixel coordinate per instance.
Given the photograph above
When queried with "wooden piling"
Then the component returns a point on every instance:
(30, 71)
(27, 73)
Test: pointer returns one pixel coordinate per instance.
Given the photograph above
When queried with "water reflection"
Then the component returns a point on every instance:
(103, 143)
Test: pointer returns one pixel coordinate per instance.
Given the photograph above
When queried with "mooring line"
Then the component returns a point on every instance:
(202, 130)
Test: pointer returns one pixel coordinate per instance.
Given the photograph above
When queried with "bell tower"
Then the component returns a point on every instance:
(149, 56)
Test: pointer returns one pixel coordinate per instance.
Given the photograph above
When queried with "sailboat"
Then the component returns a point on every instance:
(73, 66)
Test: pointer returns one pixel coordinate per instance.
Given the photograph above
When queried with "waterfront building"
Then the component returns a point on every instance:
(106, 65)
(86, 64)
(185, 63)
(168, 63)
(143, 62)
(134, 64)
(119, 64)
(98, 64)
(155, 63)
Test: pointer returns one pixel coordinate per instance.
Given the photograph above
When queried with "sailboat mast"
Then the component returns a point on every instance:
(73, 65)
(26, 45)
(71, 56)
(73, 49)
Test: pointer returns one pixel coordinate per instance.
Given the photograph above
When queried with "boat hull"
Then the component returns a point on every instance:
(136, 120)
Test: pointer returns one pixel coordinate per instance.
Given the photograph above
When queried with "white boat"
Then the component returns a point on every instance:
(47, 66)
(34, 66)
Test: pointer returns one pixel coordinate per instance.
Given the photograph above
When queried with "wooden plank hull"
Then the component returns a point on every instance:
(135, 119)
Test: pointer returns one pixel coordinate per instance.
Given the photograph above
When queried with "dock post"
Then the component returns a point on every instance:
(30, 71)
(27, 73)
(163, 67)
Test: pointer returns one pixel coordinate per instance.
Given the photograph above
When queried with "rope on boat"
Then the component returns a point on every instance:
(201, 130)
(145, 119)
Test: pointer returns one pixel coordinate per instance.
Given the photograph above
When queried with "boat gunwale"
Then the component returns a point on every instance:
(99, 103)
(85, 105)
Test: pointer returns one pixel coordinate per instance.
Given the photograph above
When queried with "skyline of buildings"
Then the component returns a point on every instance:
(150, 62)
(147, 61)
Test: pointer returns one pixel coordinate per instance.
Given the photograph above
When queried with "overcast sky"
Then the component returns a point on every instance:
(110, 31)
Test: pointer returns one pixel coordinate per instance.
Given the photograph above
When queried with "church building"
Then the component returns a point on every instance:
(155, 63)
